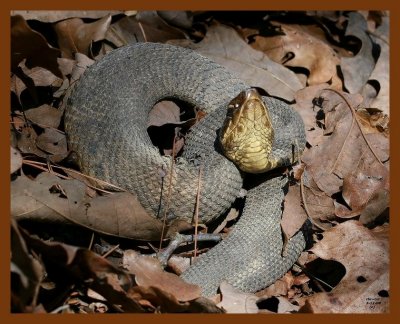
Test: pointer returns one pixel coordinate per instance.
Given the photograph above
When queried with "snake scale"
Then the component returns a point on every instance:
(106, 123)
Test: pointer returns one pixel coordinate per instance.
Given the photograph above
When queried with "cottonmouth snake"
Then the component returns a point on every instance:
(106, 123)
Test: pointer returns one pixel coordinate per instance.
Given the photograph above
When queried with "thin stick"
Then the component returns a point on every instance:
(91, 242)
(38, 165)
(110, 251)
(43, 126)
(60, 309)
(142, 30)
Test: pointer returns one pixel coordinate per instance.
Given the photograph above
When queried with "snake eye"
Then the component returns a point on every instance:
(232, 106)
(229, 112)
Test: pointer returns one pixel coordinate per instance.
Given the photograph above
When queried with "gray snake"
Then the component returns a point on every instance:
(106, 123)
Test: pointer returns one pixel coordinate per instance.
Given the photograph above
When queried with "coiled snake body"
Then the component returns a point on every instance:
(106, 123)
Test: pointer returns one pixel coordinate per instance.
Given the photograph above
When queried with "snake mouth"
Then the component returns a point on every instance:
(247, 134)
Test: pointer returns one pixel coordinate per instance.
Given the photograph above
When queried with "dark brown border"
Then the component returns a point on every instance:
(198, 5)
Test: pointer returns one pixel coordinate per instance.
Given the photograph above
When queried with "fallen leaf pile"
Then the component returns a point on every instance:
(331, 66)
(365, 287)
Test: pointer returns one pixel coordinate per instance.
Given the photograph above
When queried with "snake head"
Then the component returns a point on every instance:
(247, 134)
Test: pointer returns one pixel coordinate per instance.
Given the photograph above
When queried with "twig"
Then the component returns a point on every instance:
(39, 165)
(91, 242)
(163, 255)
(142, 30)
(60, 309)
(110, 251)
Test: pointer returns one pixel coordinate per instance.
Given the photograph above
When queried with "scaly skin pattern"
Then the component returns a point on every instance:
(251, 257)
(106, 120)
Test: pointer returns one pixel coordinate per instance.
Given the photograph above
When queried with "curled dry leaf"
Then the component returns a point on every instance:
(62, 90)
(366, 181)
(156, 27)
(343, 159)
(327, 14)
(178, 264)
(149, 273)
(66, 65)
(318, 205)
(44, 116)
(280, 287)
(16, 160)
(298, 48)
(76, 36)
(278, 305)
(365, 255)
(27, 274)
(52, 141)
(305, 105)
(375, 18)
(224, 45)
(235, 301)
(357, 70)
(332, 23)
(51, 199)
(232, 215)
(52, 16)
(161, 301)
(50, 144)
(339, 153)
(285, 306)
(110, 287)
(82, 63)
(164, 112)
(293, 216)
(30, 78)
(32, 46)
(377, 206)
(181, 19)
(164, 125)
(146, 26)
(64, 262)
(27, 142)
(41, 77)
(374, 120)
(377, 96)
